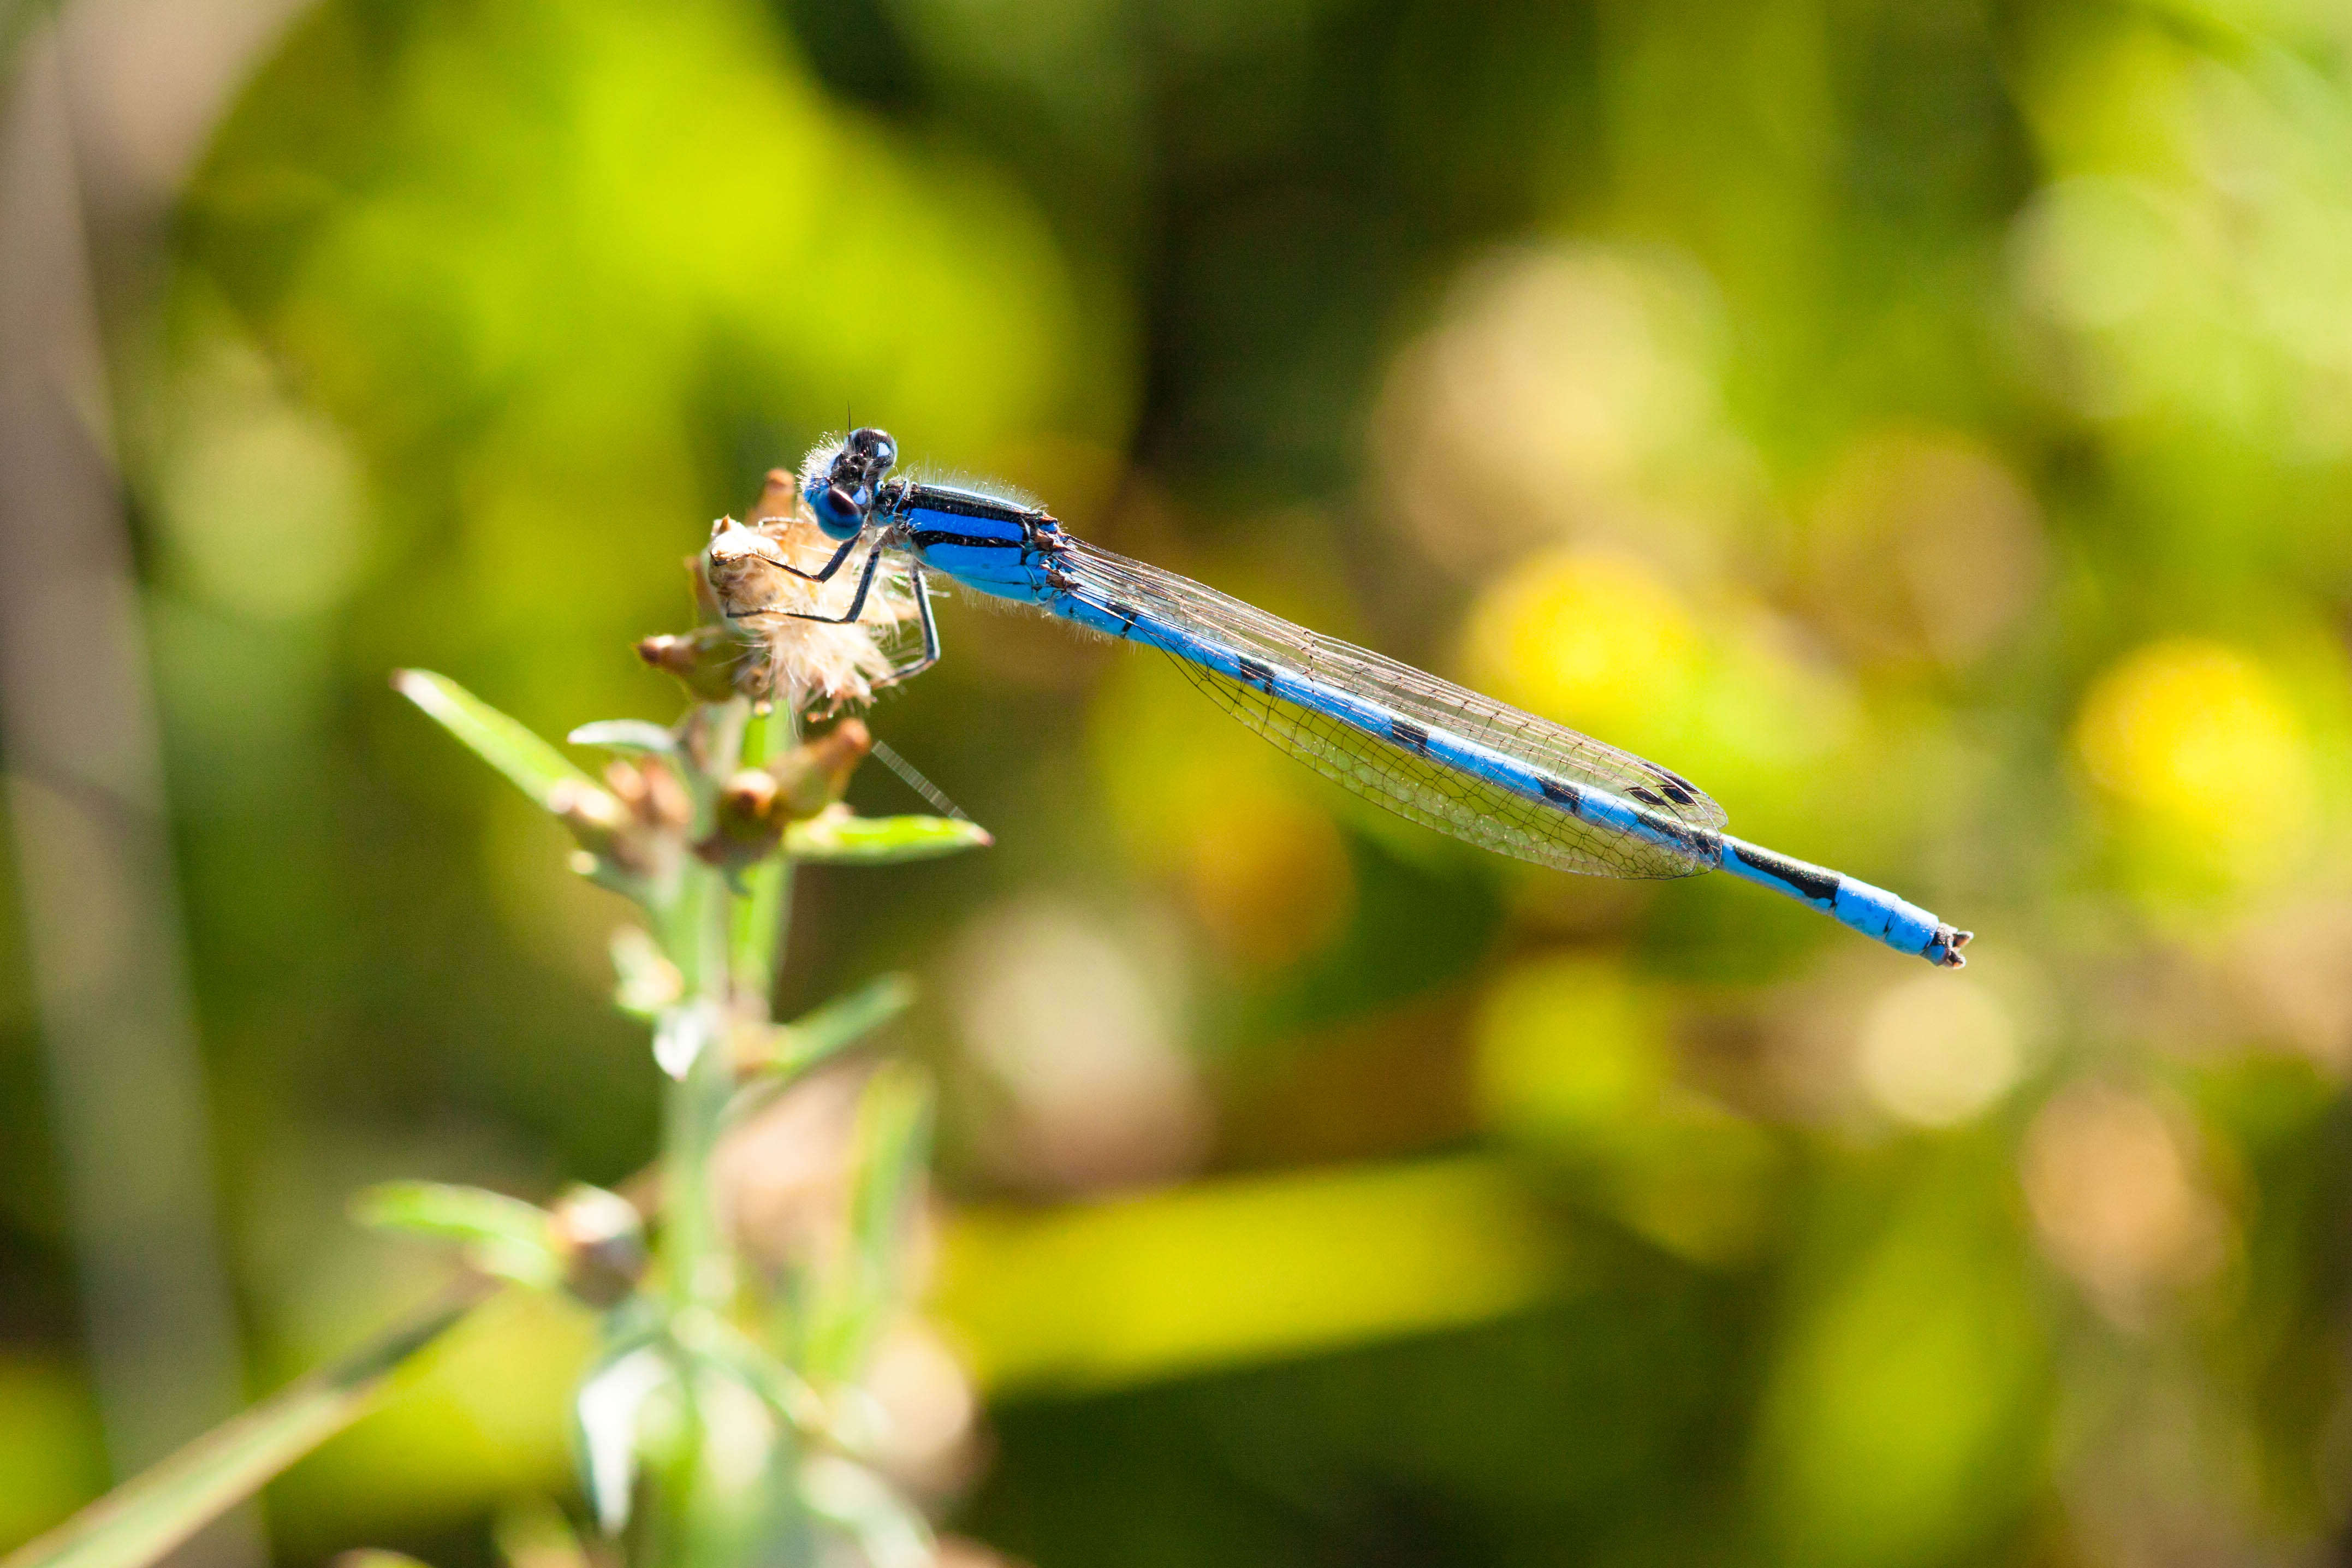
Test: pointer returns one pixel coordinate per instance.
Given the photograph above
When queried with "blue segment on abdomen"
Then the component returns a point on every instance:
(1873, 912)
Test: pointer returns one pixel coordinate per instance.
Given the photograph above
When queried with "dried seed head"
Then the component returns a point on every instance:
(758, 578)
(743, 569)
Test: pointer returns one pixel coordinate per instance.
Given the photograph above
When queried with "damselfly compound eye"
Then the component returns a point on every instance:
(837, 512)
(866, 456)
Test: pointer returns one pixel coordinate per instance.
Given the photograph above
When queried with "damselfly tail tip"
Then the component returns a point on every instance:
(1946, 949)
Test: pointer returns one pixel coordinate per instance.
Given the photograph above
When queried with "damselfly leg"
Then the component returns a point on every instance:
(856, 604)
(825, 572)
(931, 655)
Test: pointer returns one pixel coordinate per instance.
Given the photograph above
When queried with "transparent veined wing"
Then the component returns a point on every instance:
(1406, 782)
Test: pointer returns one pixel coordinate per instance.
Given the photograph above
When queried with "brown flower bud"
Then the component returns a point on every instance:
(779, 500)
(747, 825)
(706, 661)
(668, 804)
(815, 773)
(597, 820)
(601, 1241)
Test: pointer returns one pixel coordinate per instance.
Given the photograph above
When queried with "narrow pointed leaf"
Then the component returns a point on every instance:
(503, 1236)
(155, 1510)
(534, 766)
(841, 1023)
(788, 1397)
(837, 837)
(892, 1147)
(637, 736)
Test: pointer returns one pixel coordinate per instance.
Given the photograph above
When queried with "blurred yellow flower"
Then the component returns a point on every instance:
(2194, 741)
(1595, 640)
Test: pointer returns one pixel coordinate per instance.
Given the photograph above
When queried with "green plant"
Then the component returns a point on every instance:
(720, 1421)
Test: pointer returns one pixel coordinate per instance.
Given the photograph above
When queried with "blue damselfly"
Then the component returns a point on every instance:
(1429, 751)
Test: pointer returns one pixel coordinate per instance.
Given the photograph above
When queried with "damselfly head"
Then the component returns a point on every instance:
(875, 448)
(840, 493)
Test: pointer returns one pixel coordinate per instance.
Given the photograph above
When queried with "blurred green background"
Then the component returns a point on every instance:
(1927, 424)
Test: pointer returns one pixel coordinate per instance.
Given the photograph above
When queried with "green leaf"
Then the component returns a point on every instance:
(839, 838)
(534, 766)
(788, 1397)
(842, 1022)
(891, 1149)
(785, 1051)
(155, 1510)
(503, 1236)
(633, 735)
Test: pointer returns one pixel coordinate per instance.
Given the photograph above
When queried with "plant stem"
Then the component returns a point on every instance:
(695, 926)
(694, 1229)
(726, 945)
(761, 917)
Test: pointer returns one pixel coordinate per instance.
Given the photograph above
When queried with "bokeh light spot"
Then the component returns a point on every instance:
(1922, 544)
(1937, 1049)
(1563, 392)
(1077, 1031)
(263, 500)
(2117, 1200)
